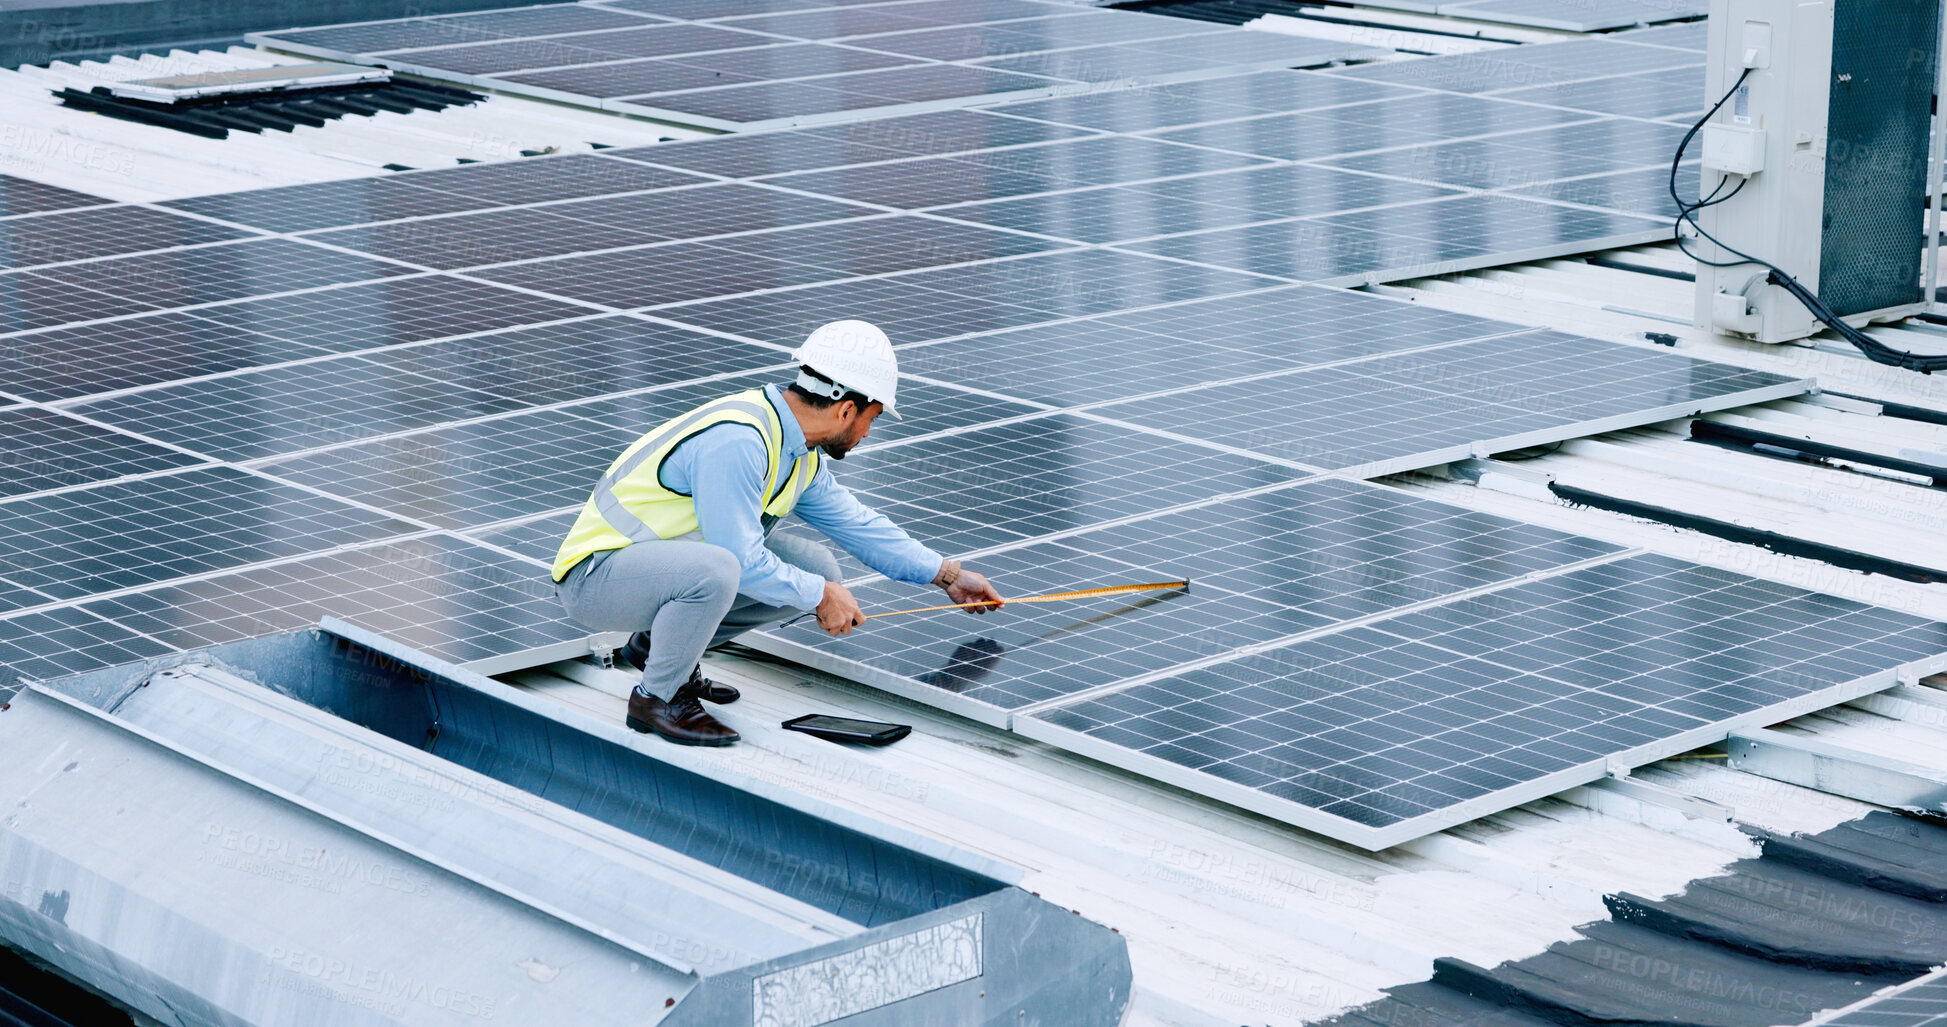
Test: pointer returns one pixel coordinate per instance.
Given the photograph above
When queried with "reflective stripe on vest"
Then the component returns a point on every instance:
(654, 513)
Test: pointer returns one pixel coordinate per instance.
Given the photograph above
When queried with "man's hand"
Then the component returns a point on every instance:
(839, 613)
(972, 587)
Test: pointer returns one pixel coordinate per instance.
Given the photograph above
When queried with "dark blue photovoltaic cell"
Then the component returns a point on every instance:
(1260, 567)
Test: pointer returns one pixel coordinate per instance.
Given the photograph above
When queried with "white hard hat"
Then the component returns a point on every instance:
(856, 356)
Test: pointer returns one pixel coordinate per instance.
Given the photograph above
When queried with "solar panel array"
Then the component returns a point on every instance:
(1579, 16)
(384, 399)
(745, 66)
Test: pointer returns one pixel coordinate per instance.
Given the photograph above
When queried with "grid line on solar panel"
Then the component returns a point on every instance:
(1204, 100)
(301, 407)
(761, 104)
(494, 469)
(647, 40)
(1645, 191)
(1397, 413)
(26, 196)
(318, 205)
(1537, 64)
(114, 356)
(673, 272)
(1527, 157)
(123, 535)
(640, 80)
(535, 540)
(937, 181)
(54, 643)
(1117, 356)
(1264, 567)
(443, 595)
(48, 450)
(919, 306)
(1406, 240)
(289, 408)
(446, 30)
(61, 237)
(1197, 203)
(1040, 475)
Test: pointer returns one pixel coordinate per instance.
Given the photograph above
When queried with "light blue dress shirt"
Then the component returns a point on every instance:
(722, 468)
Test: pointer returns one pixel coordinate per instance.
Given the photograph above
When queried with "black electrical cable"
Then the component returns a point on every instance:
(1876, 351)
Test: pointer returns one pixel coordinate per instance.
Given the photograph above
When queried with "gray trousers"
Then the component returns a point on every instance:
(684, 594)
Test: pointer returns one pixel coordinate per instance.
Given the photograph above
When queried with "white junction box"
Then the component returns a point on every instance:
(1823, 151)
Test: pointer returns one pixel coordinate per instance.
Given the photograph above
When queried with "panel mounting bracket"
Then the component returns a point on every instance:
(1619, 781)
(1839, 769)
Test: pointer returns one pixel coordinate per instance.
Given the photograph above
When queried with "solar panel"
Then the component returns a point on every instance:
(1214, 99)
(1638, 192)
(443, 595)
(758, 65)
(1120, 356)
(1524, 66)
(48, 450)
(1526, 158)
(1395, 413)
(482, 472)
(101, 232)
(297, 208)
(112, 355)
(936, 181)
(643, 79)
(1674, 93)
(1590, 16)
(301, 208)
(1263, 567)
(793, 102)
(652, 40)
(451, 30)
(1918, 1005)
(305, 406)
(1039, 476)
(126, 534)
(939, 303)
(710, 9)
(674, 272)
(1408, 241)
(26, 196)
(291, 408)
(1435, 717)
(537, 540)
(54, 643)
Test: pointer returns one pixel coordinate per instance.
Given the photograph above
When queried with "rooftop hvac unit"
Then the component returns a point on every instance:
(1816, 163)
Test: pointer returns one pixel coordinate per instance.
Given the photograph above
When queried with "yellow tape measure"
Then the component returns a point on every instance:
(1086, 593)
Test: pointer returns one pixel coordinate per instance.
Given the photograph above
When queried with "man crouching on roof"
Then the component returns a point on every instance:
(675, 543)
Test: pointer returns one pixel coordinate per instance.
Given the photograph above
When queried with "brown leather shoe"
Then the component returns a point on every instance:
(681, 720)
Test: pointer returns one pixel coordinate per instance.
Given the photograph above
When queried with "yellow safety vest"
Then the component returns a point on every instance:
(631, 505)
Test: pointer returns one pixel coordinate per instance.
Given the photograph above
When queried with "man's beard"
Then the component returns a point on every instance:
(836, 450)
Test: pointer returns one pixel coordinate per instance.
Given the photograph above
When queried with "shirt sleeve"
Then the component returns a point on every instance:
(722, 469)
(864, 532)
